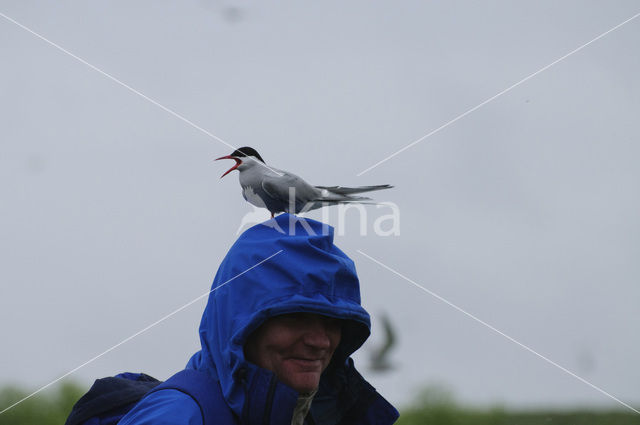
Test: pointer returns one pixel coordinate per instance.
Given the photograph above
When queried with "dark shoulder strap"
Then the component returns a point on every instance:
(112, 396)
(205, 391)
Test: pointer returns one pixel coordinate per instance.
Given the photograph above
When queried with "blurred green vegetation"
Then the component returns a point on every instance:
(437, 406)
(50, 407)
(434, 406)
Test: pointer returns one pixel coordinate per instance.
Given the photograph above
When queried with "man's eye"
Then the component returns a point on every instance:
(333, 324)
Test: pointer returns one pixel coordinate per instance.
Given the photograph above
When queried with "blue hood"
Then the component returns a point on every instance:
(285, 265)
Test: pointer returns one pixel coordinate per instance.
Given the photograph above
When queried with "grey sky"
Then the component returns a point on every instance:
(524, 213)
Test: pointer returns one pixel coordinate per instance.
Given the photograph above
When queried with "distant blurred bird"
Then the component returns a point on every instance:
(281, 191)
(380, 355)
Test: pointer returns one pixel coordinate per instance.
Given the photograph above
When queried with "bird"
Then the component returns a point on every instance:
(282, 191)
(380, 355)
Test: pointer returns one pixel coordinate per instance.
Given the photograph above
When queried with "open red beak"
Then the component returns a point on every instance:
(237, 160)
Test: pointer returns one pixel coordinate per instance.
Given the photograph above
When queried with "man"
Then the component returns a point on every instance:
(282, 319)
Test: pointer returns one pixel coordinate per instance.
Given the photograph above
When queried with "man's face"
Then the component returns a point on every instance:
(296, 347)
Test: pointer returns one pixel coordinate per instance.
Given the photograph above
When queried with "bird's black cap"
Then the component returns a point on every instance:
(247, 151)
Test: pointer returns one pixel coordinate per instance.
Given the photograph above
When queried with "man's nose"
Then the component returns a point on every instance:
(317, 335)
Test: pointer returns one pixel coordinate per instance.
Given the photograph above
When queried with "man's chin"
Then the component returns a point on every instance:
(304, 382)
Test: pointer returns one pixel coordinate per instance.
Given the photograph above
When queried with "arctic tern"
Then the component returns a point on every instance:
(281, 191)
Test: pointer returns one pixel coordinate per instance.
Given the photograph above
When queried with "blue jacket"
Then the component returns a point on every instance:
(285, 265)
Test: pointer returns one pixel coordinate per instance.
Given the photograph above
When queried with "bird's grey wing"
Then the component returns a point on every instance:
(278, 187)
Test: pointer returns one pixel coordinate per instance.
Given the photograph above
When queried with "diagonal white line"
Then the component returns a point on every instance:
(448, 123)
(117, 81)
(497, 331)
(139, 332)
(126, 86)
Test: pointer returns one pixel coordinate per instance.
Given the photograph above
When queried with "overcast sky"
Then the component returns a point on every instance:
(523, 213)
